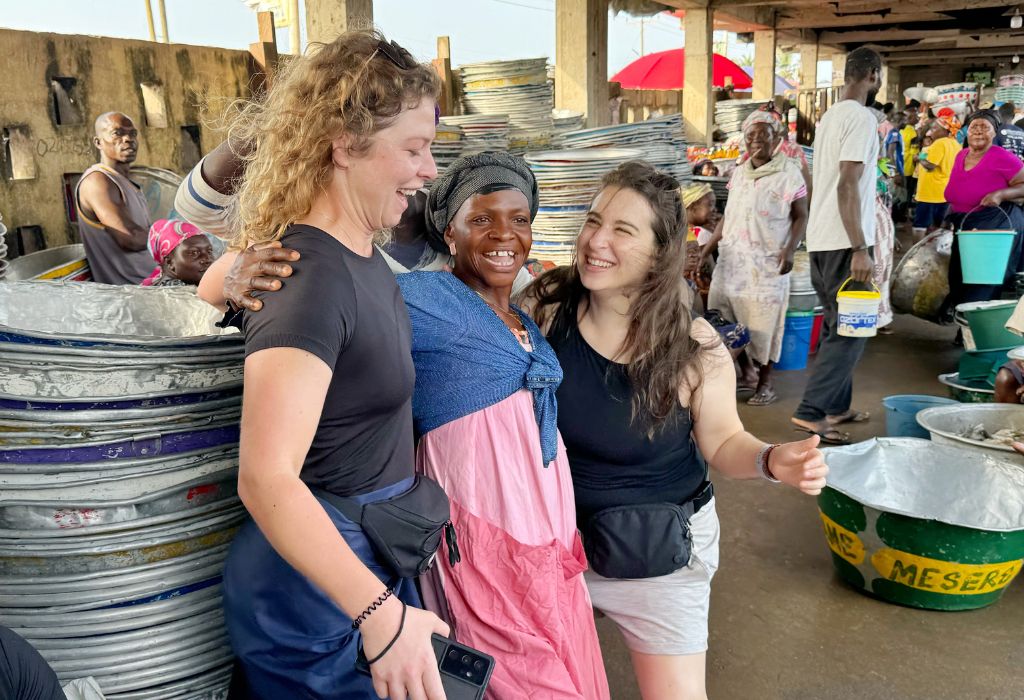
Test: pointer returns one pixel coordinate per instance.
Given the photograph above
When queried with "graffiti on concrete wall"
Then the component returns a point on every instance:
(66, 145)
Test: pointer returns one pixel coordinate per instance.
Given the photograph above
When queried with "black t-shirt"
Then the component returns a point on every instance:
(347, 310)
(1011, 138)
(612, 460)
(24, 675)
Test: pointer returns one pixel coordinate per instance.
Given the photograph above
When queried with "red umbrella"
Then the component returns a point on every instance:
(664, 71)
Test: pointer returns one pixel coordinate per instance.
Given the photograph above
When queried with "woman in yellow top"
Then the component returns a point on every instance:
(936, 166)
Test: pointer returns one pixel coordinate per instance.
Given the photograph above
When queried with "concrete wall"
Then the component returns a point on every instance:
(197, 83)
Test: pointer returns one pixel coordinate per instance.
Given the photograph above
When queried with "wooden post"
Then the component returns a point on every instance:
(764, 64)
(163, 21)
(149, 20)
(581, 58)
(327, 19)
(697, 95)
(894, 94)
(264, 51)
(809, 65)
(294, 33)
(443, 66)
(838, 69)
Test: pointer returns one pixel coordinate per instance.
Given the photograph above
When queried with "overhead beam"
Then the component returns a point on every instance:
(925, 56)
(863, 37)
(820, 21)
(738, 19)
(991, 42)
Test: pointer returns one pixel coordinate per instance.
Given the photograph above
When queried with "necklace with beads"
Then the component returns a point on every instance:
(522, 335)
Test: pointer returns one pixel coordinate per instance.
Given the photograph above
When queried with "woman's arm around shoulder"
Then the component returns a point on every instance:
(720, 434)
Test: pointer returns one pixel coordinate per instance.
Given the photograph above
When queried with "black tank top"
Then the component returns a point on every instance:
(613, 461)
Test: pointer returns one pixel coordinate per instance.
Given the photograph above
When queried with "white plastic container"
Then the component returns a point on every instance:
(858, 312)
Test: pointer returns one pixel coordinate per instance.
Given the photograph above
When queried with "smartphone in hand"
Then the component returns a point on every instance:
(465, 672)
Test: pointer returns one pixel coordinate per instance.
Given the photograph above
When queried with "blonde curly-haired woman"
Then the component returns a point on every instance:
(336, 146)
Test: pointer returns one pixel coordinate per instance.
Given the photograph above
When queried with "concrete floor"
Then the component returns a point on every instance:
(784, 627)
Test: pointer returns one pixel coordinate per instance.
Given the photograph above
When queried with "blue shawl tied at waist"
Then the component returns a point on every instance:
(466, 359)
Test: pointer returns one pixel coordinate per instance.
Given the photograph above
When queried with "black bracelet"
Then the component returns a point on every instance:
(401, 626)
(371, 607)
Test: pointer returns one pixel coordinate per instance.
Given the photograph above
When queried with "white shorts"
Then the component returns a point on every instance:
(665, 615)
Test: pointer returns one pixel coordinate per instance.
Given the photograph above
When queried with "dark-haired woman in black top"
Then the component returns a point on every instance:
(646, 392)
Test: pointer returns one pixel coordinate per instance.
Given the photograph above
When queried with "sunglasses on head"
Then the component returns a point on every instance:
(401, 58)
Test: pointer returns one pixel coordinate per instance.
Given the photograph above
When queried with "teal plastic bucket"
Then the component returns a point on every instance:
(796, 340)
(984, 255)
(901, 413)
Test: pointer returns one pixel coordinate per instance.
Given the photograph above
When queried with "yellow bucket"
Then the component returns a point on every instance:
(858, 311)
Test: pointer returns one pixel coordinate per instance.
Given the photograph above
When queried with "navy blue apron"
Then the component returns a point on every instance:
(290, 638)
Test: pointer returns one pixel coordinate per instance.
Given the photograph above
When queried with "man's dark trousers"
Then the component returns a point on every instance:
(829, 390)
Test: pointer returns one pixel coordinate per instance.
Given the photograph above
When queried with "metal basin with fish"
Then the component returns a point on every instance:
(966, 392)
(969, 426)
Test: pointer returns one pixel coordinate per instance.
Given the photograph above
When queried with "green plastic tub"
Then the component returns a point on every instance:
(986, 320)
(894, 533)
(982, 365)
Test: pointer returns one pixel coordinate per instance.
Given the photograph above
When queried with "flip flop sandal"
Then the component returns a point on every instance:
(855, 417)
(762, 399)
(828, 437)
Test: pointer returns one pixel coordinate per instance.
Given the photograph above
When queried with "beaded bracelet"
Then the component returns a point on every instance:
(371, 607)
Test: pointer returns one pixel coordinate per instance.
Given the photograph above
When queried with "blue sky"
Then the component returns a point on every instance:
(480, 30)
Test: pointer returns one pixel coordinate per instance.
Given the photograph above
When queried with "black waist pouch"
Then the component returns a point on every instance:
(405, 531)
(642, 541)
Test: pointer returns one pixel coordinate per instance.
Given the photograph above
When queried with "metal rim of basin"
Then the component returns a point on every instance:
(936, 419)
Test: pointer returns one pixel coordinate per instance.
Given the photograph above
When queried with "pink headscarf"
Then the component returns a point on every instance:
(164, 237)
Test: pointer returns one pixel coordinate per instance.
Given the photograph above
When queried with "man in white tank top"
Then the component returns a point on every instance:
(113, 218)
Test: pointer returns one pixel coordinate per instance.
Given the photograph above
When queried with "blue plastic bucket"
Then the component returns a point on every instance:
(796, 340)
(984, 255)
(901, 413)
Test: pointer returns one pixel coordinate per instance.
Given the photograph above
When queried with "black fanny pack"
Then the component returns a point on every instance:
(405, 531)
(642, 541)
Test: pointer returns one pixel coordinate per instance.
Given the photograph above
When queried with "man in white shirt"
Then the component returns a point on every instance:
(840, 235)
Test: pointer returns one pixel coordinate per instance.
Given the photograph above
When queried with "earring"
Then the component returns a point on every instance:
(451, 249)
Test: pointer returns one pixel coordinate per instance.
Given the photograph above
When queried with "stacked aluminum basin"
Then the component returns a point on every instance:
(119, 410)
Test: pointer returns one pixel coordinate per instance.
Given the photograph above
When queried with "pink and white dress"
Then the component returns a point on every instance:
(518, 594)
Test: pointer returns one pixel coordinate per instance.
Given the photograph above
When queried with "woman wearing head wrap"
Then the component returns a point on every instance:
(705, 168)
(984, 182)
(790, 149)
(936, 165)
(182, 253)
(764, 222)
(484, 406)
